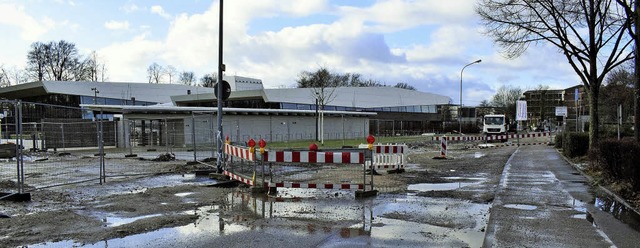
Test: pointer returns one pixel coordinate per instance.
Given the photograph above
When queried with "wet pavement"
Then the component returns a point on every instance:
(314, 218)
(542, 201)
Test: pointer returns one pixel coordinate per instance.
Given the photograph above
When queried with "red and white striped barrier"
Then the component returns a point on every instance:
(239, 152)
(315, 157)
(443, 148)
(492, 137)
(482, 146)
(388, 156)
(316, 185)
(386, 161)
(390, 149)
(239, 178)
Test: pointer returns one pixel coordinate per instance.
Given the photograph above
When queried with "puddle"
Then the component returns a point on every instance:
(113, 221)
(520, 206)
(617, 209)
(426, 187)
(191, 178)
(438, 219)
(579, 216)
(401, 221)
(184, 194)
(414, 167)
(423, 187)
(312, 193)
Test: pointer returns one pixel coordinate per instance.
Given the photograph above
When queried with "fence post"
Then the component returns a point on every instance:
(193, 135)
(62, 132)
(103, 176)
(166, 134)
(19, 147)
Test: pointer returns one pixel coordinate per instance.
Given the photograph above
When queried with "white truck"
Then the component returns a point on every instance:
(494, 125)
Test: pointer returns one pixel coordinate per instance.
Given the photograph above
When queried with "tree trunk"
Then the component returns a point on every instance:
(636, 116)
(594, 117)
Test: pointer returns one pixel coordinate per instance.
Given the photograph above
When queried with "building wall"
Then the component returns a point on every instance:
(238, 83)
(274, 128)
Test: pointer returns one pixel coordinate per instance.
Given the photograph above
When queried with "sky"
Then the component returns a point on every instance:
(424, 43)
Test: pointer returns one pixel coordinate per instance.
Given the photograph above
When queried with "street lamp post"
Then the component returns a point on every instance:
(95, 95)
(460, 107)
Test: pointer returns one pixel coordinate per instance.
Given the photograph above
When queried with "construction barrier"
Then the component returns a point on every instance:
(443, 148)
(491, 137)
(241, 165)
(312, 169)
(388, 156)
(318, 169)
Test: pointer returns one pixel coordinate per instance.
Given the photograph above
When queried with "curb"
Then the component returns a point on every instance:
(603, 188)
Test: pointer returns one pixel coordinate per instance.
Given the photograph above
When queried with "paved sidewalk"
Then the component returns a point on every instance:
(542, 201)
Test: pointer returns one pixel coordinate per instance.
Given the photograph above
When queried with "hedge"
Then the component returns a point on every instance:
(619, 160)
(575, 144)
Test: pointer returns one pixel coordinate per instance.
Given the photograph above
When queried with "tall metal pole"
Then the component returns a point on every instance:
(218, 97)
(317, 118)
(460, 107)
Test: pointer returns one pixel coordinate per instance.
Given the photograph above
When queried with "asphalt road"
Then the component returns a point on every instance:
(542, 201)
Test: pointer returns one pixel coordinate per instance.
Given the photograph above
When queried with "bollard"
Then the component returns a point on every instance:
(443, 147)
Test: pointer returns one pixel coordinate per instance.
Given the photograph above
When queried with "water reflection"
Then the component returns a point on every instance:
(618, 210)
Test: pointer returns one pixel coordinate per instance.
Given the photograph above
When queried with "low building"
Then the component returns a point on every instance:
(250, 112)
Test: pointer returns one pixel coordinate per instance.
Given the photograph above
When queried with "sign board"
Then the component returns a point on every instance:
(561, 111)
(521, 110)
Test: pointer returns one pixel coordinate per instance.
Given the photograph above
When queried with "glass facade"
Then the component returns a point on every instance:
(400, 109)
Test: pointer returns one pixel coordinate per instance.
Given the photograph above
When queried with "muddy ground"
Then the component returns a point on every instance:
(86, 213)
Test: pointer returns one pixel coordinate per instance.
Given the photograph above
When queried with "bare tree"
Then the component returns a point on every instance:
(404, 86)
(96, 68)
(171, 72)
(56, 61)
(209, 80)
(590, 33)
(484, 104)
(631, 10)
(617, 90)
(64, 61)
(188, 78)
(505, 100)
(322, 83)
(154, 72)
(4, 77)
(36, 60)
(14, 75)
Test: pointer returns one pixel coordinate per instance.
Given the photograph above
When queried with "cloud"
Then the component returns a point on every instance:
(157, 9)
(127, 61)
(346, 39)
(130, 8)
(116, 25)
(30, 28)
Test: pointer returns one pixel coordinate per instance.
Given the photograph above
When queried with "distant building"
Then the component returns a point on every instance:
(541, 107)
(251, 110)
(398, 111)
(239, 83)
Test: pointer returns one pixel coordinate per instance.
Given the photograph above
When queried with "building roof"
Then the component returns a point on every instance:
(166, 109)
(141, 91)
(359, 97)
